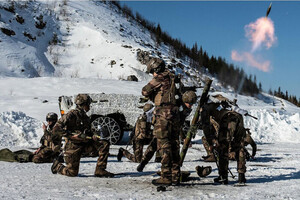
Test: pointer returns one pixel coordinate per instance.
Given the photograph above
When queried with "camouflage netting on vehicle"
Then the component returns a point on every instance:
(112, 103)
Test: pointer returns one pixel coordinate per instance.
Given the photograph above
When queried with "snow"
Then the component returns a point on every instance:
(274, 175)
(17, 129)
(91, 39)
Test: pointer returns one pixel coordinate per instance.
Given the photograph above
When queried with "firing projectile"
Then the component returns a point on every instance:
(269, 10)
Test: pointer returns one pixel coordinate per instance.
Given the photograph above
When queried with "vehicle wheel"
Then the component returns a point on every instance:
(115, 133)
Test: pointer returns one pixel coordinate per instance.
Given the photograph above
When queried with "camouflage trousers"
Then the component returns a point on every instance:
(74, 151)
(45, 155)
(151, 149)
(224, 160)
(138, 150)
(206, 146)
(167, 133)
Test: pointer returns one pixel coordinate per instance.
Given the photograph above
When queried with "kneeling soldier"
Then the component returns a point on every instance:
(76, 127)
(142, 135)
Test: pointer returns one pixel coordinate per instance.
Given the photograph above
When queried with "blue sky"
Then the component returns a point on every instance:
(219, 27)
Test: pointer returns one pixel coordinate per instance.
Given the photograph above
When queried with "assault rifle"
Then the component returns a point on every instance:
(99, 133)
(193, 128)
(247, 114)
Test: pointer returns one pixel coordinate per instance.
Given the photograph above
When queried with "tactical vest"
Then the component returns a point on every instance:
(46, 140)
(240, 132)
(75, 122)
(167, 91)
(143, 128)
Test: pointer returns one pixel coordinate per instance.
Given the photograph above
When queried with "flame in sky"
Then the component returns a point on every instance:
(260, 32)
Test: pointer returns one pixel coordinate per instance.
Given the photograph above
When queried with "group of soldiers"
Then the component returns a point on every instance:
(160, 126)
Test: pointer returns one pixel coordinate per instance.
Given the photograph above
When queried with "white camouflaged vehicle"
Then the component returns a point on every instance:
(116, 112)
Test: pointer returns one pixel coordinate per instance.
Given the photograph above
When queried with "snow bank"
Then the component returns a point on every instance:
(274, 126)
(18, 129)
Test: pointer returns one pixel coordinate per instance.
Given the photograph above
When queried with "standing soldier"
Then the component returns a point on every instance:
(188, 99)
(49, 148)
(76, 127)
(162, 91)
(230, 136)
(142, 135)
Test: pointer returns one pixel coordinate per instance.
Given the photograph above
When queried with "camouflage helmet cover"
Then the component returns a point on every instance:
(83, 99)
(147, 107)
(51, 116)
(189, 97)
(156, 65)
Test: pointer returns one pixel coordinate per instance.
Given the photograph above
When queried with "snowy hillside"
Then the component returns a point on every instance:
(89, 47)
(80, 39)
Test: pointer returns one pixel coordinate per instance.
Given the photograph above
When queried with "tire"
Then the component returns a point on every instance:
(115, 133)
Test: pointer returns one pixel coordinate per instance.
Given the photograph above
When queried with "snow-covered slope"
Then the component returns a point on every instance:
(81, 39)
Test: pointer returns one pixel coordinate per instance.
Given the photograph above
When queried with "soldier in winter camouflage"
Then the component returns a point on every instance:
(162, 90)
(75, 126)
(49, 148)
(229, 138)
(142, 135)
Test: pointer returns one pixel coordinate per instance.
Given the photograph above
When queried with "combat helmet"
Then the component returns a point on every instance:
(147, 107)
(156, 65)
(51, 116)
(82, 99)
(189, 97)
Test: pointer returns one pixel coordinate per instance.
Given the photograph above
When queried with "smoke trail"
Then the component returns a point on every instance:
(260, 32)
(250, 60)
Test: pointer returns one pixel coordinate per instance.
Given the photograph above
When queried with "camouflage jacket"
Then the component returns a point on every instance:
(46, 139)
(143, 128)
(214, 112)
(161, 89)
(74, 122)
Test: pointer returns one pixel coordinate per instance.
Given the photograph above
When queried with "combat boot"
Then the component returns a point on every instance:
(99, 172)
(120, 154)
(141, 166)
(221, 180)
(56, 161)
(203, 171)
(162, 182)
(242, 179)
(211, 158)
(54, 166)
(176, 181)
